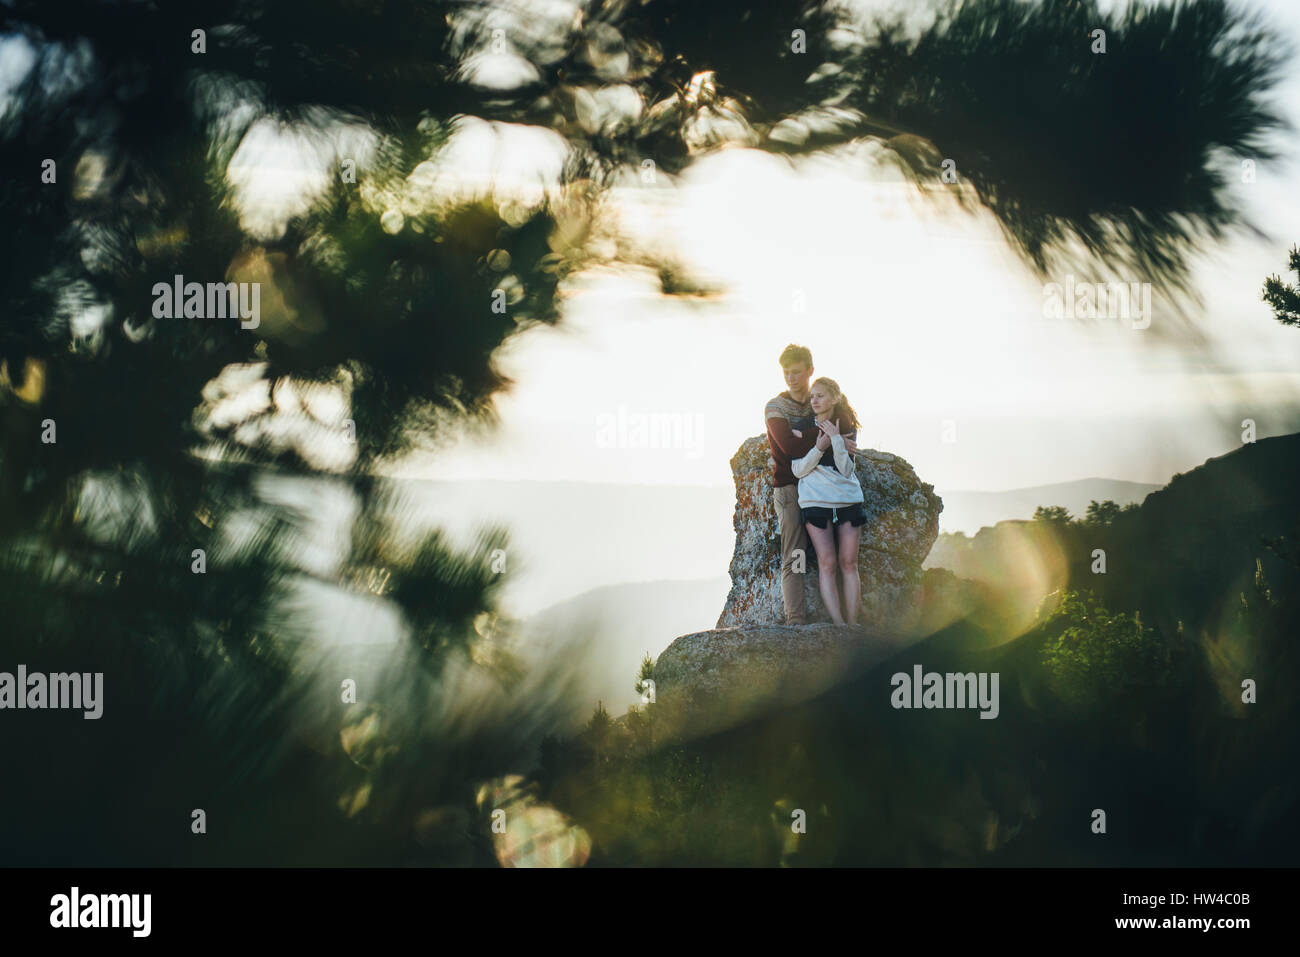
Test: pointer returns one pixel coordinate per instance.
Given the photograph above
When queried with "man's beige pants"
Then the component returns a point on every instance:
(794, 537)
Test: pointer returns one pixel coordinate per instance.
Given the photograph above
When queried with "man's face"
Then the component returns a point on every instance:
(796, 377)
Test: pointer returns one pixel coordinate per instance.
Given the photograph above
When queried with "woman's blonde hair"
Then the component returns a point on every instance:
(841, 411)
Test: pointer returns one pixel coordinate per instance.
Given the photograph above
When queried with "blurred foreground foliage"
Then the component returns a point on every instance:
(193, 508)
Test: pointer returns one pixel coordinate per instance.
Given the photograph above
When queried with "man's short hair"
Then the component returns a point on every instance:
(795, 354)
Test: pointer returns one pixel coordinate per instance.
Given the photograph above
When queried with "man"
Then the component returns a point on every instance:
(787, 444)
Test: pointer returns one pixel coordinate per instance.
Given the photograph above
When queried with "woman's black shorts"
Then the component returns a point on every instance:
(855, 515)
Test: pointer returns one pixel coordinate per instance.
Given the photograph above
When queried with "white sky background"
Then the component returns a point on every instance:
(921, 316)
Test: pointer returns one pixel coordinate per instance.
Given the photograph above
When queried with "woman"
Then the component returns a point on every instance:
(830, 498)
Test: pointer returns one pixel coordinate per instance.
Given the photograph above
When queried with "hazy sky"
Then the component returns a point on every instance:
(929, 322)
(923, 314)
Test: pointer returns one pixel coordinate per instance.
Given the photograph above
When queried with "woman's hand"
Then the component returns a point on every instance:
(829, 428)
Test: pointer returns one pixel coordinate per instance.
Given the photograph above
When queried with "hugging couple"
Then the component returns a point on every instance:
(812, 432)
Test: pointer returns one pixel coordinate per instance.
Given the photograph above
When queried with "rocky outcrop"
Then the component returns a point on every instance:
(752, 661)
(712, 680)
(902, 524)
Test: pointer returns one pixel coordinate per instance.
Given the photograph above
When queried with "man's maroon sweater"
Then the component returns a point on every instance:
(786, 446)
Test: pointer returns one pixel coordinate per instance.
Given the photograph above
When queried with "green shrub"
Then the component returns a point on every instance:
(1094, 657)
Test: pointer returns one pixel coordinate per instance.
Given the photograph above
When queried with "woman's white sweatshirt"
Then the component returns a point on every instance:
(821, 486)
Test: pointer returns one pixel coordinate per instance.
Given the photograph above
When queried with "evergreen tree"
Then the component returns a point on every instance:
(1283, 298)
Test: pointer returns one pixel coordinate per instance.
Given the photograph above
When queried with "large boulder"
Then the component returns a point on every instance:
(712, 680)
(902, 525)
(708, 681)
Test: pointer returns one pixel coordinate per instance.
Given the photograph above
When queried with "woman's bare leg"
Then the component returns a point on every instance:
(823, 540)
(849, 537)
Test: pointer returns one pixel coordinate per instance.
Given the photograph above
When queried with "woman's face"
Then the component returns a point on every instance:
(822, 402)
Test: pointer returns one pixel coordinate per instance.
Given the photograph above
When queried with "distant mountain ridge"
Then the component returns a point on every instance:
(570, 538)
(966, 511)
(1183, 555)
(566, 538)
(625, 622)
